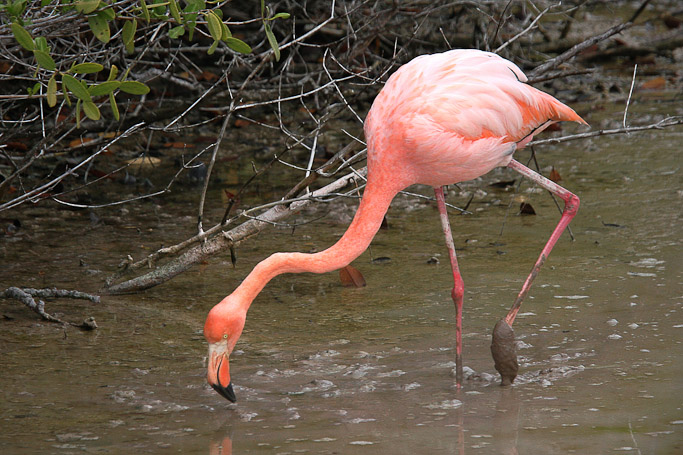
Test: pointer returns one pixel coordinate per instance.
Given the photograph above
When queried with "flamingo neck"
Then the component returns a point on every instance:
(377, 197)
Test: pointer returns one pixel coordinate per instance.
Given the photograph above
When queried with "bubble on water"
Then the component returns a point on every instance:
(411, 386)
(358, 371)
(247, 416)
(361, 443)
(361, 420)
(642, 274)
(633, 326)
(365, 388)
(528, 313)
(612, 322)
(317, 385)
(339, 341)
(571, 297)
(391, 374)
(323, 354)
(446, 404)
(615, 336)
(559, 357)
(646, 262)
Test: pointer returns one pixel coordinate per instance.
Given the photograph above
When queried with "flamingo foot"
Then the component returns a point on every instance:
(504, 352)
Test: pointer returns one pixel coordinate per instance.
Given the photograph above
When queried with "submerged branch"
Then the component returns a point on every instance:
(26, 296)
(226, 240)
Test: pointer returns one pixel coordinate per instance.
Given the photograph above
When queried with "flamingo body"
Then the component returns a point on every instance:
(451, 117)
(440, 119)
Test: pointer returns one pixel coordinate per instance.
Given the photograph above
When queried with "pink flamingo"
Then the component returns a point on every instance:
(440, 119)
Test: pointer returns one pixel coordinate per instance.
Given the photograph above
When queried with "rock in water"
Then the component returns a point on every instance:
(504, 352)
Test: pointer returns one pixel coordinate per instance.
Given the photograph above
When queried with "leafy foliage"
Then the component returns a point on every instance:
(109, 21)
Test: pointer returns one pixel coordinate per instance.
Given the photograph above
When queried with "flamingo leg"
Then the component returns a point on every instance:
(503, 346)
(571, 206)
(458, 284)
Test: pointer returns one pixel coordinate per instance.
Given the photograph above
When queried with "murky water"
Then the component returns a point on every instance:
(325, 369)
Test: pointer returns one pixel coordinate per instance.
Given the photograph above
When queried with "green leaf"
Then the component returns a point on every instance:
(52, 91)
(214, 25)
(100, 28)
(273, 42)
(238, 45)
(108, 14)
(263, 8)
(134, 88)
(159, 11)
(225, 32)
(41, 44)
(212, 48)
(281, 16)
(23, 37)
(145, 10)
(113, 72)
(91, 110)
(194, 6)
(176, 32)
(16, 8)
(128, 35)
(87, 6)
(44, 59)
(191, 25)
(173, 6)
(67, 98)
(33, 90)
(78, 114)
(114, 107)
(103, 88)
(77, 87)
(86, 68)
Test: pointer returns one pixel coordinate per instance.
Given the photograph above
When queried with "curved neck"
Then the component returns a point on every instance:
(377, 196)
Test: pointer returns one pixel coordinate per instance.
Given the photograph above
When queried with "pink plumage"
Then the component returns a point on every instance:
(450, 117)
(440, 119)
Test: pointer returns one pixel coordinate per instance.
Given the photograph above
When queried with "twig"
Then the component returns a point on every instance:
(633, 438)
(664, 123)
(557, 61)
(523, 32)
(26, 297)
(630, 92)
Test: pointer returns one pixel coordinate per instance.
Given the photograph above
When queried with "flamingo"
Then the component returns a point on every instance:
(440, 119)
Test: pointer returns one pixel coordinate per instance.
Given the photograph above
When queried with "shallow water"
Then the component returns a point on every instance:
(326, 369)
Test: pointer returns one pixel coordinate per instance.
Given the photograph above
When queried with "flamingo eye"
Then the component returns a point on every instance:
(225, 336)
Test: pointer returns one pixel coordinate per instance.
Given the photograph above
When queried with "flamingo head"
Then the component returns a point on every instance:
(222, 329)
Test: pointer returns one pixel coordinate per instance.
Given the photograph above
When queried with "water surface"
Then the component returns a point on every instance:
(325, 369)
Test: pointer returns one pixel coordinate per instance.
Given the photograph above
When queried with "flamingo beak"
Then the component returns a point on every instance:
(219, 371)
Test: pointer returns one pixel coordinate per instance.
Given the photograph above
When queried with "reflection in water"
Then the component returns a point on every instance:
(506, 422)
(504, 417)
(221, 446)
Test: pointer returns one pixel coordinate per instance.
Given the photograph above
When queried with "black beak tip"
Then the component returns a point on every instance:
(226, 392)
